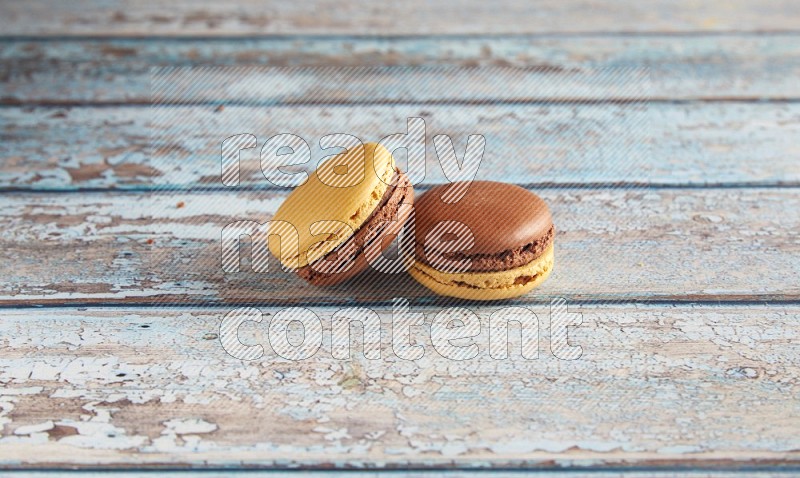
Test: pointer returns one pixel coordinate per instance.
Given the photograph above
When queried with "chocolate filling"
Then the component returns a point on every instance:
(501, 261)
(347, 252)
(521, 280)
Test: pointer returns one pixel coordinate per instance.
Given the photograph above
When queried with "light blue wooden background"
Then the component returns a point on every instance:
(684, 263)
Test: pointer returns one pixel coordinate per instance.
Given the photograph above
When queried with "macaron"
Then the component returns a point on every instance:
(496, 242)
(345, 212)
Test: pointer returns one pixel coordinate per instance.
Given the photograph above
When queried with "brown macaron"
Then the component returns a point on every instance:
(496, 242)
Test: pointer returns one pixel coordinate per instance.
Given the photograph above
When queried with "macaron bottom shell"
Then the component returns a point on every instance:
(496, 285)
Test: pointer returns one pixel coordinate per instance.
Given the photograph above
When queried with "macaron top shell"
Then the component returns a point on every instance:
(500, 216)
(346, 188)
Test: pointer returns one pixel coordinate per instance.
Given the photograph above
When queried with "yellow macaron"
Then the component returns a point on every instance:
(351, 199)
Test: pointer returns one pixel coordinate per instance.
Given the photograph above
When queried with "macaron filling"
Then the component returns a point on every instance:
(341, 258)
(501, 261)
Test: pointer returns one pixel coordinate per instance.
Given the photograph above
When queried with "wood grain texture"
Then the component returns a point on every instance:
(658, 472)
(730, 66)
(655, 386)
(660, 144)
(611, 244)
(250, 17)
(681, 365)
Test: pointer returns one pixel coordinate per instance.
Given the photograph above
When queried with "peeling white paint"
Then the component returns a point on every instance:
(38, 427)
(655, 373)
(188, 426)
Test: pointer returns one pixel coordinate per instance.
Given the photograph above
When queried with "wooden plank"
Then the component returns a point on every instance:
(750, 472)
(655, 386)
(681, 67)
(250, 17)
(127, 248)
(661, 144)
